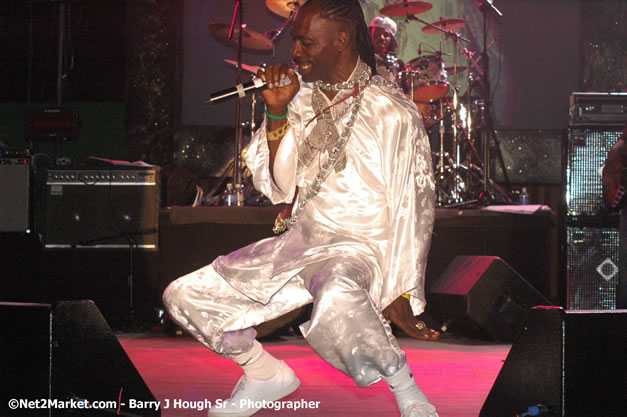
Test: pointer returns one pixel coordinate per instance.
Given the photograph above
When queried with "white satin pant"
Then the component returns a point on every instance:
(346, 329)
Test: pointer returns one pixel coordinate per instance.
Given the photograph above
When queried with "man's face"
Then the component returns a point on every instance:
(380, 39)
(314, 50)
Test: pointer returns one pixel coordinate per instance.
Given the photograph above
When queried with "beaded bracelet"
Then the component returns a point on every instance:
(265, 110)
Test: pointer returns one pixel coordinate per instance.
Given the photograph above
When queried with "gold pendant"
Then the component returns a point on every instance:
(280, 225)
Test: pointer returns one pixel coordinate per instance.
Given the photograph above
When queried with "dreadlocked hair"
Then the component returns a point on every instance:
(350, 13)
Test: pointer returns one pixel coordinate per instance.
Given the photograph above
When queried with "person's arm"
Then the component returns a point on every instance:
(277, 99)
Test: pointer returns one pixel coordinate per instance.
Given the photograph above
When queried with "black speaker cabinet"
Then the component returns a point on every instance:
(110, 208)
(592, 267)
(482, 296)
(571, 362)
(14, 194)
(65, 353)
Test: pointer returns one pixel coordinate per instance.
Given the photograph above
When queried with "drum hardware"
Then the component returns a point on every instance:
(250, 68)
(451, 179)
(457, 187)
(236, 34)
(487, 130)
(285, 9)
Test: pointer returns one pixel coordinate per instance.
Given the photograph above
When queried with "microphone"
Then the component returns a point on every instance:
(420, 49)
(241, 90)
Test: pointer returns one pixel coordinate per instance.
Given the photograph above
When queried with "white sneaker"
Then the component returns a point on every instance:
(249, 394)
(420, 410)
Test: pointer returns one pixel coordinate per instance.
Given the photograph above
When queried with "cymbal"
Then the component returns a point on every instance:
(284, 7)
(250, 38)
(446, 24)
(460, 68)
(401, 9)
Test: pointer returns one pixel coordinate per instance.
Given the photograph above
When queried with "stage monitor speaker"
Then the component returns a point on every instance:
(482, 296)
(570, 362)
(15, 192)
(106, 208)
(61, 356)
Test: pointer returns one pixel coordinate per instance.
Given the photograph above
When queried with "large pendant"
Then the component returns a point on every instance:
(280, 225)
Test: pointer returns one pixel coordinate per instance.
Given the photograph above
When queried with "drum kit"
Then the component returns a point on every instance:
(456, 123)
(450, 118)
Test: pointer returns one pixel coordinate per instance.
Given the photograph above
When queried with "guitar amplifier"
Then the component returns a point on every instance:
(105, 208)
(598, 109)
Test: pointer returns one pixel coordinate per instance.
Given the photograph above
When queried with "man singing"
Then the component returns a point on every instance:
(358, 236)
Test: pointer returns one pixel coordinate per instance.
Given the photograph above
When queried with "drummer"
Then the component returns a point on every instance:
(382, 31)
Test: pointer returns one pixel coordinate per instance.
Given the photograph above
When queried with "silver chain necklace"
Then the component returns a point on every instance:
(280, 224)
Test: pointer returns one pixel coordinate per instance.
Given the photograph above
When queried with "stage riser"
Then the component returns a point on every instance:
(189, 242)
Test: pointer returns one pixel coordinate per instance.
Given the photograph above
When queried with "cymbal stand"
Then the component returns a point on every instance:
(237, 148)
(274, 34)
(487, 129)
(454, 195)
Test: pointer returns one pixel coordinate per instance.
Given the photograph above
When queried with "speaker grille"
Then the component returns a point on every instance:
(587, 150)
(592, 267)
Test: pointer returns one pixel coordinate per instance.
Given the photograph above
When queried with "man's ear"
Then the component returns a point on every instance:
(343, 40)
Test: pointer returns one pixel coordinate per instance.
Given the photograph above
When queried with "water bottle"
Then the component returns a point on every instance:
(230, 197)
(523, 198)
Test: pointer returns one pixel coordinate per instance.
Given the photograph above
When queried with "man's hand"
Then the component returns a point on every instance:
(401, 314)
(277, 98)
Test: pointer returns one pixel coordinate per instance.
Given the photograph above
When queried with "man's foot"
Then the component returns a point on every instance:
(420, 410)
(400, 313)
(423, 332)
(249, 394)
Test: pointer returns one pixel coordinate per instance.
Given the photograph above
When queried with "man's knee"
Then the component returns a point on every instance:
(172, 294)
(333, 287)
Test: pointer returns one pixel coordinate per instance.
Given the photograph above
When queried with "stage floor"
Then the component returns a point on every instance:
(456, 375)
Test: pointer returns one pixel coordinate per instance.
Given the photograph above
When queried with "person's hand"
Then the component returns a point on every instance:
(401, 314)
(277, 98)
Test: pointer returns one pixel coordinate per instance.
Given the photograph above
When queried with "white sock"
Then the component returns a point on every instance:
(257, 363)
(404, 388)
